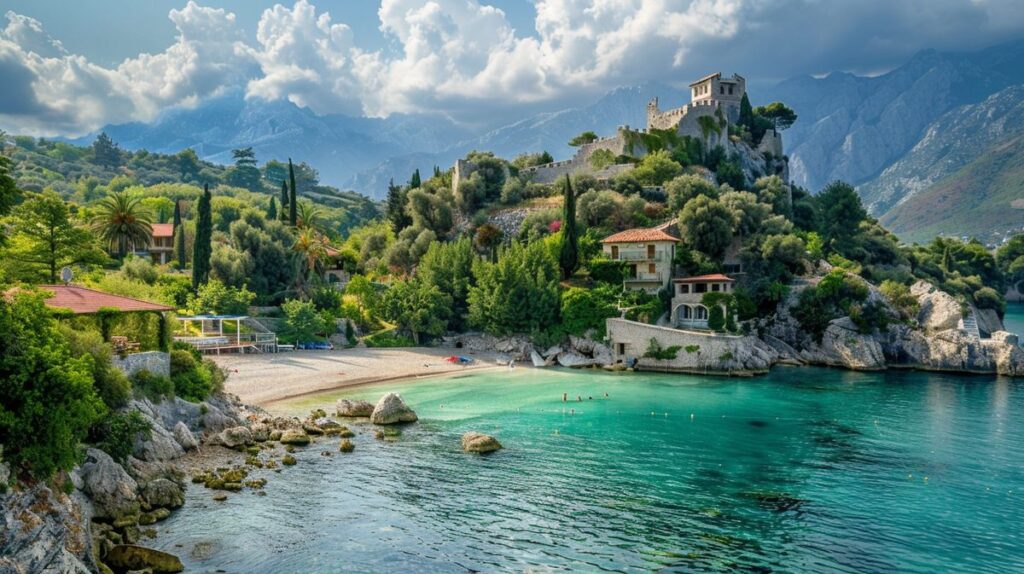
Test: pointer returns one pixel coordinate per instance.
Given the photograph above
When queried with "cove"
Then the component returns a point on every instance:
(801, 470)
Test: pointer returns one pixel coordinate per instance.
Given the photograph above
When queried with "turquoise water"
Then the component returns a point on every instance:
(803, 470)
(1014, 319)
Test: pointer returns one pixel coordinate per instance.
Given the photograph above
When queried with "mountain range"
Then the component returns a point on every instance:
(895, 136)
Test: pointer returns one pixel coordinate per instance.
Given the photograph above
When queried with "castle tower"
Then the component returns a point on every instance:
(652, 112)
(726, 93)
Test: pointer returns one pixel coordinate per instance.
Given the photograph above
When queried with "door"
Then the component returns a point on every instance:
(650, 252)
(615, 251)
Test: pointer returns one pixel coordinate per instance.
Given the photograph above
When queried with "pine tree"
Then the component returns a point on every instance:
(179, 246)
(105, 152)
(293, 215)
(414, 182)
(394, 207)
(437, 171)
(284, 200)
(203, 247)
(568, 256)
(272, 209)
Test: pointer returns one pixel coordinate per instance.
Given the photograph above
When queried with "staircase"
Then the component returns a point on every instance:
(969, 324)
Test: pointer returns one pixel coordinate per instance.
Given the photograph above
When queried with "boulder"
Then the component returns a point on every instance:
(235, 436)
(1007, 355)
(184, 436)
(574, 359)
(350, 408)
(391, 409)
(260, 432)
(113, 492)
(584, 345)
(131, 557)
(602, 354)
(160, 446)
(295, 437)
(479, 442)
(938, 310)
(43, 530)
(988, 320)
(163, 493)
(552, 351)
(842, 345)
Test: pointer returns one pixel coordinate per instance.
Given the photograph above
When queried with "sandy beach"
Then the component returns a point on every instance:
(262, 379)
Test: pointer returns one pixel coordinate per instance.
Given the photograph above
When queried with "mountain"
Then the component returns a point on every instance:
(337, 146)
(853, 127)
(954, 140)
(983, 199)
(549, 132)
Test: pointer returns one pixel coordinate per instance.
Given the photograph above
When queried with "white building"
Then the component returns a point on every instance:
(648, 253)
(688, 309)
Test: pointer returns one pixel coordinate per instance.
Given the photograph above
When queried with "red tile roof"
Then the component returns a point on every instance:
(83, 301)
(163, 229)
(705, 278)
(639, 236)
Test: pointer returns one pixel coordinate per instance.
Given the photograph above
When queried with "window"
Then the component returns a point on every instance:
(684, 289)
(715, 287)
(651, 268)
(650, 252)
(700, 288)
(721, 90)
(730, 90)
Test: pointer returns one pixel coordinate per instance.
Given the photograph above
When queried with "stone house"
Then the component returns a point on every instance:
(161, 243)
(648, 253)
(688, 309)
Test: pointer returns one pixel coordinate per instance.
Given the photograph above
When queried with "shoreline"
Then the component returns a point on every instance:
(264, 380)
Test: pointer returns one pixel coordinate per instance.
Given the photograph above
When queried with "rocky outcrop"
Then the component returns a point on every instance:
(391, 409)
(937, 310)
(113, 492)
(128, 557)
(516, 347)
(352, 408)
(184, 436)
(44, 530)
(988, 321)
(843, 345)
(479, 442)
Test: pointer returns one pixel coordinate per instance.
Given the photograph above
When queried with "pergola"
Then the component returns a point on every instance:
(212, 337)
(84, 301)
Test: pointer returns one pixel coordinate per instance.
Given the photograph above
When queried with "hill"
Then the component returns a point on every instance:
(983, 199)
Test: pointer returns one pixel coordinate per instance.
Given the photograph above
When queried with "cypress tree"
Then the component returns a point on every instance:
(394, 207)
(293, 216)
(284, 199)
(414, 183)
(204, 236)
(177, 213)
(179, 246)
(272, 209)
(568, 256)
(746, 113)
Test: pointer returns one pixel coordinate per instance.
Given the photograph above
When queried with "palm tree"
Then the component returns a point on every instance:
(308, 215)
(310, 248)
(123, 222)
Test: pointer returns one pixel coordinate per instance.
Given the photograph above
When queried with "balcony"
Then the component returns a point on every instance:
(642, 277)
(639, 255)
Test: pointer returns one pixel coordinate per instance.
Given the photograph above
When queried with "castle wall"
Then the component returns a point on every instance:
(772, 143)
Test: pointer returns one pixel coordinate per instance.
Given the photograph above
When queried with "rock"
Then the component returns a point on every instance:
(602, 354)
(1007, 355)
(161, 446)
(113, 492)
(5, 469)
(312, 429)
(552, 351)
(235, 436)
(184, 436)
(275, 435)
(346, 446)
(479, 442)
(288, 460)
(391, 409)
(163, 493)
(131, 557)
(938, 310)
(295, 437)
(220, 496)
(988, 321)
(583, 345)
(536, 359)
(260, 432)
(843, 345)
(1005, 337)
(350, 408)
(43, 530)
(574, 359)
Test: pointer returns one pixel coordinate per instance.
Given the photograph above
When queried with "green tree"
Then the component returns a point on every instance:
(518, 294)
(9, 192)
(177, 214)
(429, 211)
(365, 294)
(245, 173)
(202, 243)
(121, 221)
(180, 257)
(272, 209)
(569, 250)
(284, 200)
(394, 207)
(746, 113)
(584, 310)
(302, 321)
(584, 138)
(449, 268)
(47, 400)
(416, 306)
(45, 239)
(683, 188)
(841, 213)
(414, 181)
(215, 297)
(105, 152)
(188, 164)
(781, 116)
(657, 168)
(708, 225)
(293, 214)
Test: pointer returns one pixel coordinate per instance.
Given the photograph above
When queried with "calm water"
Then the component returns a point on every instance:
(1014, 319)
(804, 470)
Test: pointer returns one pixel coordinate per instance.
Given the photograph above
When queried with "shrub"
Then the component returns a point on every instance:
(829, 299)
(118, 434)
(388, 339)
(47, 399)
(140, 269)
(586, 309)
(215, 297)
(192, 379)
(899, 297)
(301, 321)
(110, 383)
(989, 298)
(870, 316)
(155, 387)
(655, 351)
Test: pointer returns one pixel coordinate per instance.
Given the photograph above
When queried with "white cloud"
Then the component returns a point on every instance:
(463, 57)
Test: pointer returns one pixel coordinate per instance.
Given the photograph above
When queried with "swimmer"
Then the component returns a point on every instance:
(590, 398)
(606, 395)
(579, 399)
(565, 397)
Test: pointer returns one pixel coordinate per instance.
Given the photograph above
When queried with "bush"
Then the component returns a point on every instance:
(118, 434)
(607, 271)
(155, 387)
(110, 383)
(192, 379)
(655, 351)
(140, 269)
(301, 321)
(899, 297)
(586, 309)
(215, 297)
(388, 339)
(989, 298)
(47, 399)
(831, 298)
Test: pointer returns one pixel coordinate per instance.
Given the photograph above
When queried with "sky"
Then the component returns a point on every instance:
(67, 68)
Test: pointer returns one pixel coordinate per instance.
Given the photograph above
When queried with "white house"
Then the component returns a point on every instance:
(649, 254)
(688, 309)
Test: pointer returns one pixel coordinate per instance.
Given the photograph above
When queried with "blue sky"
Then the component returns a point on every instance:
(69, 67)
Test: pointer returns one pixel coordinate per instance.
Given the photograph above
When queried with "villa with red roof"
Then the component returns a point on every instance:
(688, 309)
(161, 244)
(648, 253)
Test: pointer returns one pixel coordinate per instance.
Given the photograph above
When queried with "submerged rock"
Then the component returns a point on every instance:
(479, 442)
(391, 409)
(346, 446)
(350, 408)
(131, 557)
(295, 437)
(163, 493)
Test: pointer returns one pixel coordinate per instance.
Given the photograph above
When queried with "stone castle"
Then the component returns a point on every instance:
(714, 105)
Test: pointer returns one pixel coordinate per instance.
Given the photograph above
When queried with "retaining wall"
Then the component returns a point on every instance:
(156, 362)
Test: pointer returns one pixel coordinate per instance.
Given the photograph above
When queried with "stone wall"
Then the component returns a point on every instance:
(699, 352)
(156, 362)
